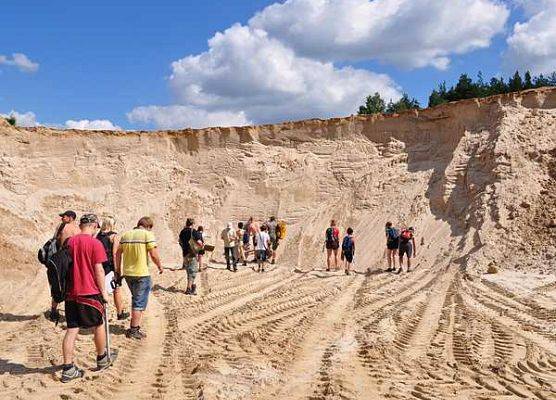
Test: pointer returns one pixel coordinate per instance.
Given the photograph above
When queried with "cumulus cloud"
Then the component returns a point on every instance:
(246, 76)
(26, 119)
(176, 116)
(532, 44)
(20, 61)
(405, 33)
(97, 124)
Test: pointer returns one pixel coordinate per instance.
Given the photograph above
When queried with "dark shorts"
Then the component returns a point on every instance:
(348, 255)
(260, 255)
(275, 242)
(332, 245)
(80, 315)
(405, 248)
(392, 244)
(140, 287)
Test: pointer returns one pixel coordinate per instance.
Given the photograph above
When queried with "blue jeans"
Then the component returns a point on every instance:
(140, 287)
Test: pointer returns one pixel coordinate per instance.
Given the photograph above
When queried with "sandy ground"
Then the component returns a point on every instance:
(475, 178)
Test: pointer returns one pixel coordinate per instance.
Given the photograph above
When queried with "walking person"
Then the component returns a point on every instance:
(332, 244)
(66, 229)
(262, 248)
(241, 250)
(407, 246)
(229, 236)
(348, 250)
(111, 242)
(191, 243)
(85, 298)
(272, 226)
(132, 262)
(392, 244)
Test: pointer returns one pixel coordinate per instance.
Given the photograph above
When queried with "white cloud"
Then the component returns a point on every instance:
(20, 61)
(176, 116)
(27, 119)
(246, 76)
(97, 124)
(532, 44)
(405, 33)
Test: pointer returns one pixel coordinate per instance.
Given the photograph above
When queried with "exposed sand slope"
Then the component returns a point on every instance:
(476, 178)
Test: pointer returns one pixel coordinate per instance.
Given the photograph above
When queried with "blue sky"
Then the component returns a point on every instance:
(102, 60)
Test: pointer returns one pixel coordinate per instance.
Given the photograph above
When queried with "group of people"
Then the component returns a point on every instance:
(97, 251)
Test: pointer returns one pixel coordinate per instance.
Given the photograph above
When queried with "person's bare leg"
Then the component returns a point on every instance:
(68, 344)
(100, 339)
(136, 318)
(408, 263)
(328, 255)
(118, 300)
(336, 259)
(389, 256)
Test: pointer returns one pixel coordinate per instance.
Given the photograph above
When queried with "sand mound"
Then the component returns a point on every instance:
(476, 178)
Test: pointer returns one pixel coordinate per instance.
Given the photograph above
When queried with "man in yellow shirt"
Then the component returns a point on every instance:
(132, 262)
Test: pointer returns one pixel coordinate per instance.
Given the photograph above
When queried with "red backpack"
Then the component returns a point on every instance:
(406, 235)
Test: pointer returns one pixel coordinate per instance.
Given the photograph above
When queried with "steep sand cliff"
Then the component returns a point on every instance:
(476, 178)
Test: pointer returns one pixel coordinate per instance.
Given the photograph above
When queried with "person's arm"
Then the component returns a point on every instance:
(118, 260)
(99, 279)
(155, 256)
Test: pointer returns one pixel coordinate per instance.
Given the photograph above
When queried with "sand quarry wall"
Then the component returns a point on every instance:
(476, 178)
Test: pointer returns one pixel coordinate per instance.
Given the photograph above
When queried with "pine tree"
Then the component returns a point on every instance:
(516, 83)
(528, 82)
(373, 105)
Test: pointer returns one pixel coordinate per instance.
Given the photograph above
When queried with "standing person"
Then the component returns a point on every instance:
(229, 236)
(392, 244)
(201, 252)
(253, 228)
(84, 301)
(191, 243)
(132, 262)
(332, 244)
(240, 232)
(68, 228)
(407, 246)
(348, 250)
(111, 242)
(272, 224)
(262, 248)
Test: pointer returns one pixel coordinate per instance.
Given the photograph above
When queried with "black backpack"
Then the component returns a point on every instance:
(50, 247)
(330, 238)
(59, 271)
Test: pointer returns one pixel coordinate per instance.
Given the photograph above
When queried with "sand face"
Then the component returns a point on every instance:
(475, 178)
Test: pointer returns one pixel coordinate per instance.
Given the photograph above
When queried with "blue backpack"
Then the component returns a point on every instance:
(347, 244)
(393, 234)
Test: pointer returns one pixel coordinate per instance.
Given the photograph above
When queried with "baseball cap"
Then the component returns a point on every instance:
(88, 219)
(68, 213)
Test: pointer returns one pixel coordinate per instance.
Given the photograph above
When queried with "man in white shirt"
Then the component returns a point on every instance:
(262, 248)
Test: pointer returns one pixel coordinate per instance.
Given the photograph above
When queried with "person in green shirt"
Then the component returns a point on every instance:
(132, 262)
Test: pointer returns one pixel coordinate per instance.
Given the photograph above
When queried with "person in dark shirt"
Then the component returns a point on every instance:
(190, 253)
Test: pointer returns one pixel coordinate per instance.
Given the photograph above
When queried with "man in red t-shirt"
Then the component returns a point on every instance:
(84, 302)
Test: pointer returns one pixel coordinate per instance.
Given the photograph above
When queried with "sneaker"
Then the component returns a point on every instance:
(347, 272)
(399, 270)
(71, 374)
(104, 362)
(135, 333)
(262, 269)
(193, 290)
(245, 263)
(123, 315)
(54, 316)
(273, 261)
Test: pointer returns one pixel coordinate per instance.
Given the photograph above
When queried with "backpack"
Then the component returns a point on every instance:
(347, 244)
(46, 251)
(104, 238)
(406, 236)
(59, 269)
(281, 230)
(193, 245)
(330, 238)
(393, 234)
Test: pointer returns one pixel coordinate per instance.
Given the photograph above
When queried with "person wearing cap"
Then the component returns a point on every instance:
(132, 262)
(229, 236)
(191, 242)
(85, 298)
(67, 228)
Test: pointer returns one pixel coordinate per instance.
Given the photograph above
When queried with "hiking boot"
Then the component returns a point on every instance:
(54, 316)
(123, 315)
(135, 333)
(103, 362)
(71, 374)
